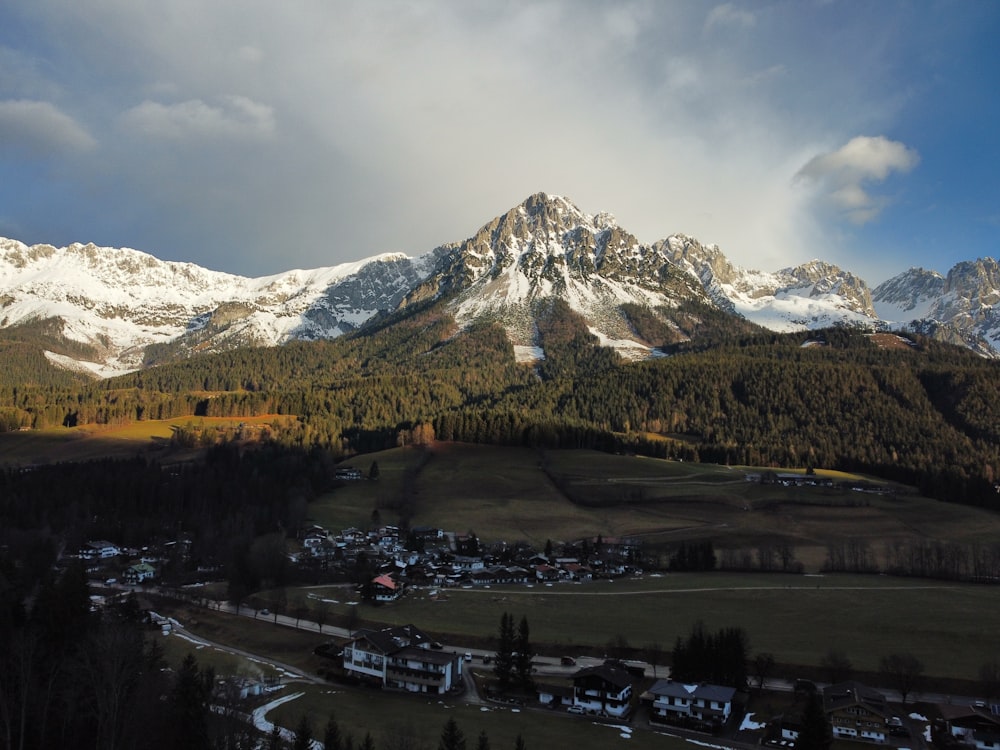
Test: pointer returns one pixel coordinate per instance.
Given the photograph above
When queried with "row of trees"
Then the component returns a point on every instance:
(922, 558)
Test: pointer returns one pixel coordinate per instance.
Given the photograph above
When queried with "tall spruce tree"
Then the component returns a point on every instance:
(816, 733)
(452, 737)
(503, 659)
(525, 655)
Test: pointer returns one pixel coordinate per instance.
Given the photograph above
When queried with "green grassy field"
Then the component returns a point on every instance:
(389, 716)
(950, 627)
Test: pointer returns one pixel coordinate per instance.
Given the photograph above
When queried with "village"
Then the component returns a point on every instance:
(431, 560)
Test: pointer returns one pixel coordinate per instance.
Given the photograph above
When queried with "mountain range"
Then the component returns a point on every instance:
(106, 311)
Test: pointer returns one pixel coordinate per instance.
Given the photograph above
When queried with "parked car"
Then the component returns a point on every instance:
(568, 661)
(576, 710)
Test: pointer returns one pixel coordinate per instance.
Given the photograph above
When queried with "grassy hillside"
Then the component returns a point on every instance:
(510, 494)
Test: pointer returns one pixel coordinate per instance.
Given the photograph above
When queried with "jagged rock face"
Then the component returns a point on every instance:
(910, 290)
(546, 247)
(962, 307)
(119, 309)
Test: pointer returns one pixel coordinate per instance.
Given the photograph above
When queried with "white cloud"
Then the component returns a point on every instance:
(366, 127)
(841, 175)
(41, 129)
(236, 116)
(728, 14)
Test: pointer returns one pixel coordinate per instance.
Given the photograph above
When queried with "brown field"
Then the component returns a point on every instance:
(88, 442)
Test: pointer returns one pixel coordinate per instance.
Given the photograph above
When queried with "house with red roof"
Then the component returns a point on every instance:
(386, 589)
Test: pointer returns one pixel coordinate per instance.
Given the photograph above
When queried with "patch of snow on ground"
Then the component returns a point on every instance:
(528, 354)
(260, 716)
(749, 723)
(624, 730)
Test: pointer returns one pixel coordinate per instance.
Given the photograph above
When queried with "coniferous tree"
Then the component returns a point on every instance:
(189, 705)
(452, 737)
(332, 739)
(525, 655)
(815, 733)
(503, 658)
(303, 735)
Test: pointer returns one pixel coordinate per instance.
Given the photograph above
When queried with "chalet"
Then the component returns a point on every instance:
(386, 589)
(577, 572)
(139, 573)
(546, 573)
(974, 726)
(402, 658)
(679, 702)
(857, 712)
(603, 690)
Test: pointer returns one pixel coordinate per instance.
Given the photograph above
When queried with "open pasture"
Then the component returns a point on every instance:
(950, 627)
(391, 718)
(507, 494)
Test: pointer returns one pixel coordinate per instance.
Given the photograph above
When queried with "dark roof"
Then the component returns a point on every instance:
(391, 640)
(852, 693)
(613, 675)
(702, 690)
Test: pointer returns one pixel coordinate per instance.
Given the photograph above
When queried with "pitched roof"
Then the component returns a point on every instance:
(853, 693)
(386, 581)
(702, 691)
(611, 674)
(391, 640)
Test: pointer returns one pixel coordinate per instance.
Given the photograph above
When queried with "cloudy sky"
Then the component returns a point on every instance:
(253, 137)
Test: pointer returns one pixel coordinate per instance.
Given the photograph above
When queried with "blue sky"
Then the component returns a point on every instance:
(255, 137)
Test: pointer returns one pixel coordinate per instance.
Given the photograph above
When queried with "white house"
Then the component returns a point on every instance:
(402, 658)
(139, 573)
(99, 550)
(672, 701)
(975, 726)
(603, 690)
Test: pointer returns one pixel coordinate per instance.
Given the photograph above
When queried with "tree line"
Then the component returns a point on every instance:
(927, 416)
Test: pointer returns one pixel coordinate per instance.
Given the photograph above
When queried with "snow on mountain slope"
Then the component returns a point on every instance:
(964, 305)
(120, 302)
(546, 247)
(124, 309)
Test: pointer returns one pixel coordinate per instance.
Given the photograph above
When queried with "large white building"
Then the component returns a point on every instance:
(402, 658)
(672, 701)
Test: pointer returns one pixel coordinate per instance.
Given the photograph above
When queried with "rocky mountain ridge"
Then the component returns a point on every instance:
(110, 310)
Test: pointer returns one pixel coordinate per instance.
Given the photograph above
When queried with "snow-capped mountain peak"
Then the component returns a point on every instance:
(118, 309)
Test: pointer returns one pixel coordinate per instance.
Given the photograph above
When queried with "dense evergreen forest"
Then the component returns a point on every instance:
(927, 414)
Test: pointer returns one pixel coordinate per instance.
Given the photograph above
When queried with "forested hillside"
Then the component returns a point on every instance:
(917, 411)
